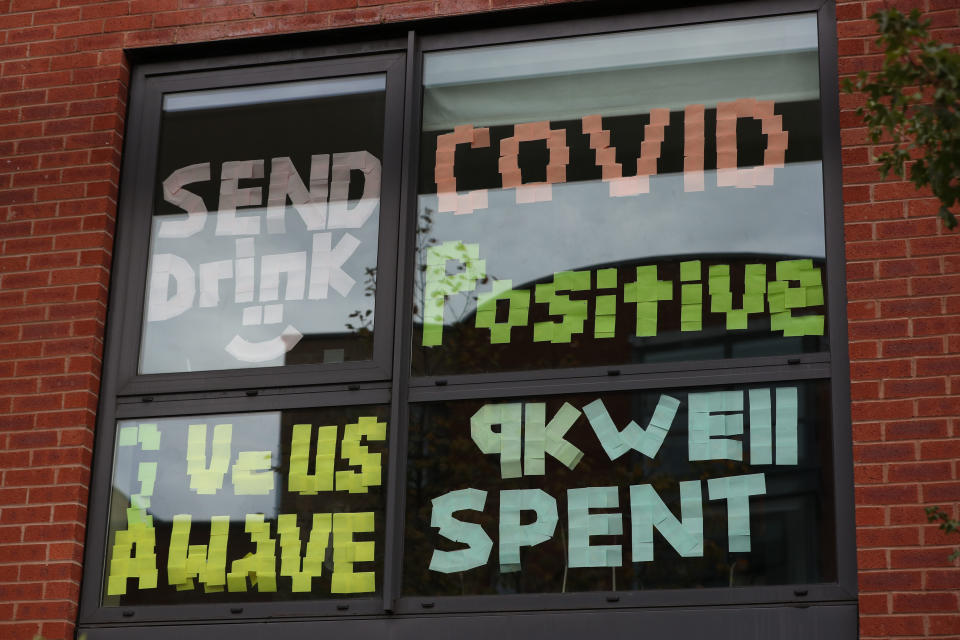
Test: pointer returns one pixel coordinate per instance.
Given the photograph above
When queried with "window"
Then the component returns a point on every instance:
(546, 318)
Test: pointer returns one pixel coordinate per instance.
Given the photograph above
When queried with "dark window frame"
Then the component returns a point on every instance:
(387, 378)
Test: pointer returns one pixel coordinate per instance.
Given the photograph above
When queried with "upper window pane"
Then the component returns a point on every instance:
(646, 196)
(263, 249)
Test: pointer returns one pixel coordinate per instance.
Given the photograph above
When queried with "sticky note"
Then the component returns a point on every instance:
(298, 477)
(786, 427)
(690, 270)
(127, 437)
(347, 551)
(646, 292)
(736, 490)
(514, 535)
(260, 566)
(647, 441)
(648, 511)
(358, 455)
(303, 569)
(761, 441)
(582, 524)
(541, 439)
(439, 285)
(133, 554)
(207, 480)
(507, 443)
(574, 312)
(517, 316)
(707, 425)
(253, 474)
(783, 296)
(206, 562)
(478, 542)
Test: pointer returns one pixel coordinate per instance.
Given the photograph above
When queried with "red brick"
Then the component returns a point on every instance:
(877, 249)
(913, 388)
(916, 430)
(888, 494)
(909, 267)
(919, 472)
(889, 580)
(913, 347)
(924, 602)
(884, 409)
(935, 246)
(939, 450)
(888, 537)
(944, 625)
(911, 307)
(878, 329)
(22, 515)
(916, 558)
(939, 406)
(942, 579)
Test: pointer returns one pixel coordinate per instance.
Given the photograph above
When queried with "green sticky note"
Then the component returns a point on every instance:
(149, 437)
(691, 294)
(127, 437)
(690, 270)
(795, 297)
(606, 305)
(815, 295)
(606, 278)
(736, 319)
(604, 326)
(720, 302)
(486, 316)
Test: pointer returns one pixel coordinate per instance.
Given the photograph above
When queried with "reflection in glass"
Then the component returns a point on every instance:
(559, 178)
(264, 235)
(507, 521)
(247, 507)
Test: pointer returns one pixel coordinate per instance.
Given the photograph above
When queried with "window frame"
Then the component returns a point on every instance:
(145, 119)
(388, 378)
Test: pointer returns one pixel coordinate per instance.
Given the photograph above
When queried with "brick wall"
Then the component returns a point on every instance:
(63, 86)
(903, 271)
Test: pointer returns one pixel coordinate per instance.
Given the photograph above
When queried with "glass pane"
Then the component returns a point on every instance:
(633, 490)
(263, 250)
(636, 197)
(282, 505)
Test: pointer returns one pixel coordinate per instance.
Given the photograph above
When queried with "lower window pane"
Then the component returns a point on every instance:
(278, 505)
(727, 486)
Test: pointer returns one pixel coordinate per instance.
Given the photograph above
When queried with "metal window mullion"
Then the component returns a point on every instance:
(396, 494)
(601, 384)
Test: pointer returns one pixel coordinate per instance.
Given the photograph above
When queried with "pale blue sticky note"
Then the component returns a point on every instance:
(506, 443)
(514, 535)
(786, 428)
(582, 524)
(555, 444)
(647, 441)
(648, 512)
(736, 491)
(761, 442)
(479, 543)
(708, 426)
